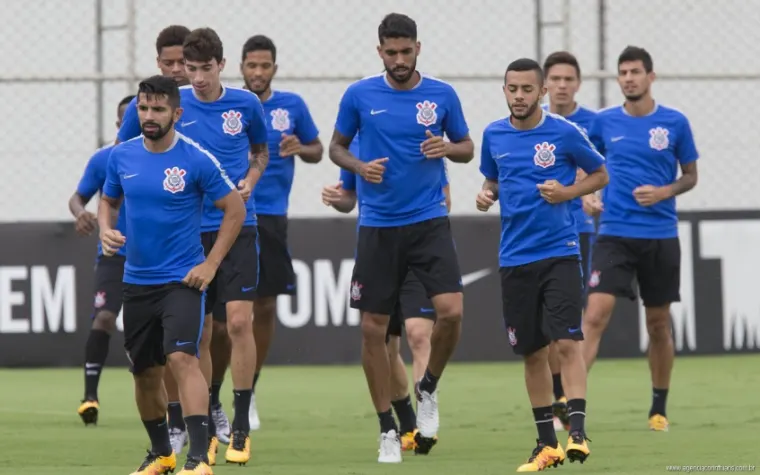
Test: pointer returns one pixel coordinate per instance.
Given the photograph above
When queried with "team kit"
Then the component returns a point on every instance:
(193, 236)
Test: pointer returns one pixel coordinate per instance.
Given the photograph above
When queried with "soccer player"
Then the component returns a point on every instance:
(413, 312)
(401, 116)
(529, 162)
(108, 276)
(164, 179)
(291, 133)
(645, 143)
(563, 80)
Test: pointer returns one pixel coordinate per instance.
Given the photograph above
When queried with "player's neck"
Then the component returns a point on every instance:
(161, 145)
(530, 122)
(212, 95)
(264, 96)
(640, 108)
(404, 86)
(563, 110)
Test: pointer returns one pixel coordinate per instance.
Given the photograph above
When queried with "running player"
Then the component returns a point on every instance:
(645, 143)
(164, 178)
(563, 80)
(292, 133)
(401, 116)
(108, 276)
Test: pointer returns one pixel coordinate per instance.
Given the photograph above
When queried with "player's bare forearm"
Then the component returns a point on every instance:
(462, 151)
(492, 186)
(232, 222)
(687, 181)
(341, 156)
(347, 202)
(77, 204)
(591, 183)
(108, 209)
(258, 160)
(312, 152)
(447, 195)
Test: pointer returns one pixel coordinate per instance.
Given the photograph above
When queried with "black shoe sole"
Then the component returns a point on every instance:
(90, 416)
(423, 444)
(576, 455)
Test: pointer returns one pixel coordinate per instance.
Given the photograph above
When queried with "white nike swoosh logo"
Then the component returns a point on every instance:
(374, 112)
(126, 177)
(185, 124)
(502, 155)
(473, 277)
(615, 139)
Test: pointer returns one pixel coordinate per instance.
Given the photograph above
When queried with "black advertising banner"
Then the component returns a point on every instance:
(46, 294)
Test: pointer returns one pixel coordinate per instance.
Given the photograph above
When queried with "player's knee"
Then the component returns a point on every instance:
(265, 309)
(239, 323)
(181, 362)
(104, 320)
(374, 328)
(537, 360)
(658, 323)
(418, 339)
(149, 380)
(449, 311)
(567, 349)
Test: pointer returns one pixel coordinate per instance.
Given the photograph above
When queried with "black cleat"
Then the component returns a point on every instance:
(88, 411)
(423, 445)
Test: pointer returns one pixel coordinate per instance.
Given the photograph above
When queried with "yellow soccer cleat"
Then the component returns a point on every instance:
(88, 411)
(196, 467)
(213, 448)
(659, 423)
(407, 441)
(543, 457)
(155, 464)
(577, 448)
(239, 450)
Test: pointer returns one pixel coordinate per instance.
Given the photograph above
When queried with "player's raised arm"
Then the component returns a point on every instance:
(110, 202)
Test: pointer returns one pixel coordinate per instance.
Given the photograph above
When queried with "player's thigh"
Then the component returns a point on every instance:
(143, 333)
(379, 269)
(432, 256)
(613, 266)
(276, 274)
(182, 318)
(659, 273)
(521, 308)
(109, 289)
(212, 301)
(219, 312)
(562, 293)
(413, 299)
(238, 274)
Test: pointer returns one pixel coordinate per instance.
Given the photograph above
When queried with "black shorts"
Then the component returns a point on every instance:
(587, 245)
(276, 275)
(238, 275)
(160, 320)
(384, 257)
(656, 264)
(542, 302)
(109, 274)
(412, 303)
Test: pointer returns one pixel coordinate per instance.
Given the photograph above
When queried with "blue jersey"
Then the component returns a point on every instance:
(130, 123)
(165, 194)
(531, 228)
(392, 124)
(583, 117)
(92, 181)
(285, 113)
(641, 151)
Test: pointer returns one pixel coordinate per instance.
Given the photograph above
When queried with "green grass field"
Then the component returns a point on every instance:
(319, 421)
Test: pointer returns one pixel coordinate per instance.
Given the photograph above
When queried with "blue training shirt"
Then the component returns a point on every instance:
(641, 151)
(165, 195)
(392, 123)
(531, 228)
(285, 113)
(130, 123)
(92, 182)
(583, 117)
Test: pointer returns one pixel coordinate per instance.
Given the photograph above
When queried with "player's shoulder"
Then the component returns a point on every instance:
(561, 125)
(286, 99)
(670, 113)
(584, 111)
(371, 82)
(237, 95)
(611, 111)
(432, 82)
(499, 125)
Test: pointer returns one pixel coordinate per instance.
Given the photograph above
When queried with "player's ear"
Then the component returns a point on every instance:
(652, 76)
(274, 70)
(178, 113)
(222, 63)
(380, 51)
(419, 48)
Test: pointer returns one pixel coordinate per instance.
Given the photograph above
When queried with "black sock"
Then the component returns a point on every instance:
(242, 408)
(387, 422)
(557, 384)
(197, 430)
(255, 380)
(405, 413)
(659, 399)
(95, 354)
(215, 388)
(545, 424)
(158, 431)
(429, 382)
(576, 410)
(211, 425)
(175, 416)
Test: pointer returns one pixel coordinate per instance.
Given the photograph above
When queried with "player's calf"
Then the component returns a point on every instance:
(574, 368)
(661, 356)
(192, 388)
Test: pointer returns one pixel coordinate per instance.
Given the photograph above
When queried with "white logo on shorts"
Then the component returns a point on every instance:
(512, 336)
(356, 291)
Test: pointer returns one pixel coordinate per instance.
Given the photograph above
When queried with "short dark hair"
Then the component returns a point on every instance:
(160, 86)
(634, 53)
(173, 35)
(525, 64)
(397, 25)
(260, 43)
(126, 101)
(561, 57)
(203, 45)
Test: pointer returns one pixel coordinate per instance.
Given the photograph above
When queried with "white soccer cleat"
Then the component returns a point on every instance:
(558, 424)
(390, 448)
(427, 413)
(222, 424)
(178, 439)
(253, 415)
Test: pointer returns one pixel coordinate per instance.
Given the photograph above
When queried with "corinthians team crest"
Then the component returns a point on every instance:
(232, 124)
(426, 113)
(658, 138)
(174, 181)
(280, 120)
(544, 156)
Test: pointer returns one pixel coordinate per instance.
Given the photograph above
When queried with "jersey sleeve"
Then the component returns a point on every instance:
(583, 153)
(306, 130)
(487, 163)
(348, 179)
(112, 187)
(94, 175)
(596, 133)
(130, 123)
(347, 123)
(213, 180)
(686, 149)
(257, 124)
(454, 124)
